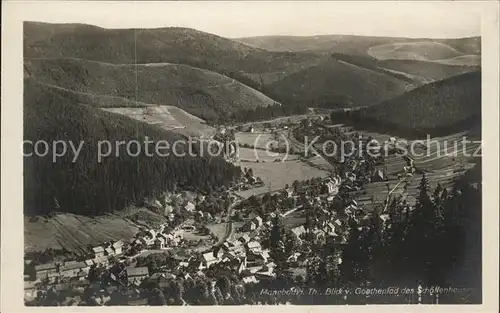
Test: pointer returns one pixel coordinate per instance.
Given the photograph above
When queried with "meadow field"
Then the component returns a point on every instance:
(74, 232)
(167, 117)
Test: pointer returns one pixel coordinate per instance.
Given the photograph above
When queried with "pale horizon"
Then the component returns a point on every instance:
(439, 20)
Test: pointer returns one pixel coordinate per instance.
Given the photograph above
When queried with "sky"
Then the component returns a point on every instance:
(431, 19)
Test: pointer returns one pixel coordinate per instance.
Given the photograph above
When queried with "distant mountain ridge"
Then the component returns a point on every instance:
(350, 44)
(319, 77)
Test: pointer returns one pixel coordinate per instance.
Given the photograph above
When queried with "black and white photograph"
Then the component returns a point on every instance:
(253, 153)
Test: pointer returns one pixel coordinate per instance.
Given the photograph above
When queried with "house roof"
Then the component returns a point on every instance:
(101, 259)
(72, 266)
(118, 244)
(254, 269)
(253, 245)
(250, 279)
(136, 271)
(162, 276)
(109, 250)
(98, 249)
(89, 262)
(209, 257)
(44, 267)
(384, 217)
(244, 238)
(266, 274)
(299, 230)
(189, 206)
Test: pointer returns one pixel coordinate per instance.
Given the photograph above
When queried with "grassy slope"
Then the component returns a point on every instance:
(439, 104)
(431, 71)
(420, 50)
(167, 117)
(200, 92)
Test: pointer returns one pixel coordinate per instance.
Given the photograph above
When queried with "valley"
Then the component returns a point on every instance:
(284, 202)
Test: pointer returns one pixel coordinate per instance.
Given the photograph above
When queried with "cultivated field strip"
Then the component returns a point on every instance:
(441, 167)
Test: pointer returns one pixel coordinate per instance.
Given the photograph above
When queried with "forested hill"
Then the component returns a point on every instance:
(216, 78)
(203, 93)
(88, 187)
(438, 108)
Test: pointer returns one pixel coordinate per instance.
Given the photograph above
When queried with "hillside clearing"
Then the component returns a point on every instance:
(420, 50)
(169, 118)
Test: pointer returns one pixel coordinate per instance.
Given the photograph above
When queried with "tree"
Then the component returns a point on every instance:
(354, 258)
(224, 284)
(276, 241)
(157, 297)
(117, 298)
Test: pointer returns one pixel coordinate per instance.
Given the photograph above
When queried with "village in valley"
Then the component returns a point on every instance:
(306, 158)
(247, 236)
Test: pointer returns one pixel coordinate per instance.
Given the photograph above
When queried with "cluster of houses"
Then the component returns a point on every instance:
(54, 271)
(166, 205)
(61, 275)
(244, 255)
(335, 230)
(252, 224)
(161, 238)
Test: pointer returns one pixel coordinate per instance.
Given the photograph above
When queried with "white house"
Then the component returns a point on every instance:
(118, 247)
(136, 274)
(250, 280)
(299, 231)
(189, 206)
(209, 259)
(102, 260)
(244, 239)
(258, 221)
(98, 251)
(330, 228)
(254, 246)
(249, 226)
(109, 251)
(159, 242)
(43, 270)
